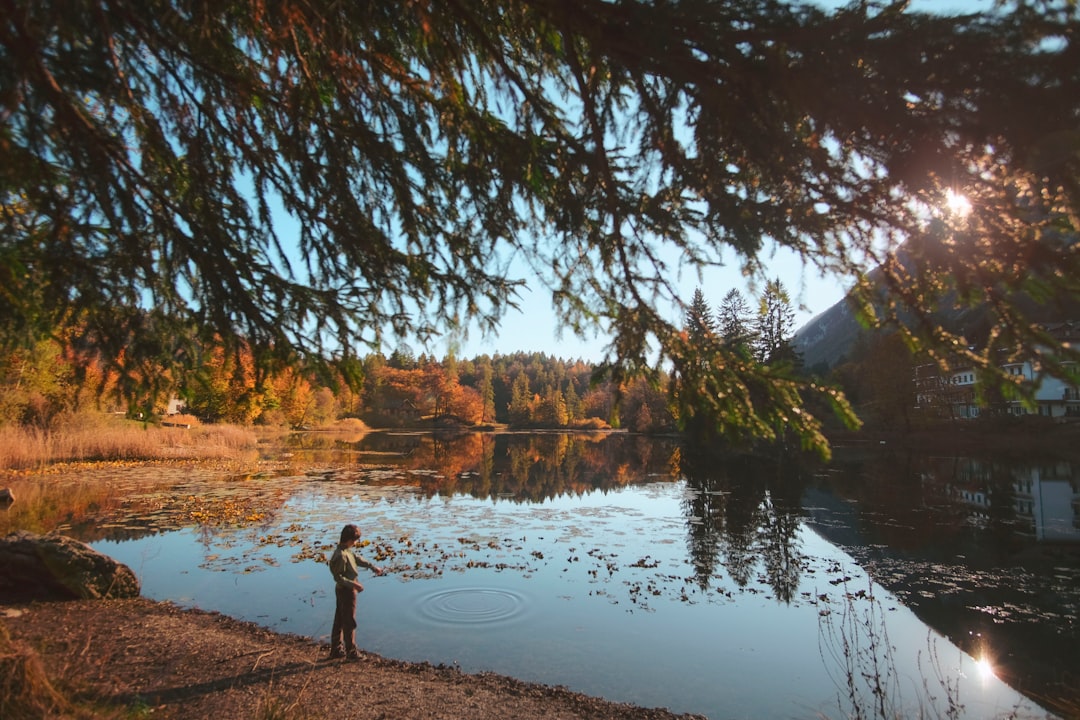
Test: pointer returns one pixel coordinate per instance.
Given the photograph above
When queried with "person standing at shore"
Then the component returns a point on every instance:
(343, 566)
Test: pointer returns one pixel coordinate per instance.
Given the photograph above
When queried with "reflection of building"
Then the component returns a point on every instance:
(1053, 499)
(952, 394)
(1045, 498)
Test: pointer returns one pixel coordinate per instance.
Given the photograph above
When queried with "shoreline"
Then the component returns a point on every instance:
(148, 657)
(134, 669)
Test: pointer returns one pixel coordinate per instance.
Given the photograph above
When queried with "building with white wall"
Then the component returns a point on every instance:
(952, 394)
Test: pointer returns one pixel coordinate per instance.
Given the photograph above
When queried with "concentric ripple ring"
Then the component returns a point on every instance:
(472, 606)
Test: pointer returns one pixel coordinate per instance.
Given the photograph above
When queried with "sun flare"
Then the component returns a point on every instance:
(985, 669)
(957, 203)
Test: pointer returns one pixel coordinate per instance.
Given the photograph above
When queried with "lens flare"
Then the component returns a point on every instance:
(957, 203)
(985, 669)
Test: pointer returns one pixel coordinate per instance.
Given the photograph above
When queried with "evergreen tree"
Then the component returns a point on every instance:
(552, 408)
(402, 358)
(735, 320)
(149, 144)
(775, 325)
(699, 324)
(693, 387)
(573, 402)
(487, 393)
(521, 401)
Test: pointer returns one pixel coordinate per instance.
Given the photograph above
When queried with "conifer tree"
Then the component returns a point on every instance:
(313, 177)
(487, 393)
(521, 401)
(775, 324)
(735, 320)
(572, 401)
(699, 324)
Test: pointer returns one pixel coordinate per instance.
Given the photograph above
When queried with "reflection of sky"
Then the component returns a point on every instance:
(573, 607)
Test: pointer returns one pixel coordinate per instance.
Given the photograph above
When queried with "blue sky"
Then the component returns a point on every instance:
(534, 328)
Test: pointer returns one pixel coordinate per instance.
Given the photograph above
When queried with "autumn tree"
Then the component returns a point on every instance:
(325, 407)
(345, 378)
(33, 385)
(466, 404)
(157, 150)
(598, 402)
(397, 386)
(645, 407)
(225, 388)
(291, 394)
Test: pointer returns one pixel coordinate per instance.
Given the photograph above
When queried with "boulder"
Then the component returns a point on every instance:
(54, 567)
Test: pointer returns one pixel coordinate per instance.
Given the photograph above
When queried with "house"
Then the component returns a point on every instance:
(404, 411)
(952, 394)
(1055, 397)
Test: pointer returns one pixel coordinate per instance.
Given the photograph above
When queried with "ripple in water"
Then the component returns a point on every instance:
(472, 606)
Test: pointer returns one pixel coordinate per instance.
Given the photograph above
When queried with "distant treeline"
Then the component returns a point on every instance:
(43, 385)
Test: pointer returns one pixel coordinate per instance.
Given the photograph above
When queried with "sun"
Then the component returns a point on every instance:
(984, 669)
(957, 203)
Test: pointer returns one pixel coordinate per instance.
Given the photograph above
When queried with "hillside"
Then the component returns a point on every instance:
(828, 338)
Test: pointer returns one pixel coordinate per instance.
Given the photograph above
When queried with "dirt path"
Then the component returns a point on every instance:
(178, 663)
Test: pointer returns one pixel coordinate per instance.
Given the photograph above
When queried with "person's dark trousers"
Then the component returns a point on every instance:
(343, 634)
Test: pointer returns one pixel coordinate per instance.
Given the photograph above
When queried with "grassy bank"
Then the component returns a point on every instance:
(100, 437)
(97, 437)
(27, 691)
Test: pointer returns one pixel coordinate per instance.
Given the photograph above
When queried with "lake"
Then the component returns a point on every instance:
(637, 569)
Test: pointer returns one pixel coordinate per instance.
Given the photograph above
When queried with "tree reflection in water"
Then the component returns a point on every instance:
(742, 507)
(958, 540)
(524, 468)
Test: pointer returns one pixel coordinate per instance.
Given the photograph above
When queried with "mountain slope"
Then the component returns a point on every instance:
(828, 338)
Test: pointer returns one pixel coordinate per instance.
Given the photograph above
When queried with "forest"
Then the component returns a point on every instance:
(45, 385)
(244, 205)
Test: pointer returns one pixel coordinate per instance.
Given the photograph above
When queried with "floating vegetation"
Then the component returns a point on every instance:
(725, 544)
(222, 511)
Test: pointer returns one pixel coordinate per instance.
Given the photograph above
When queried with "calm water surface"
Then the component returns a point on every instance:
(644, 572)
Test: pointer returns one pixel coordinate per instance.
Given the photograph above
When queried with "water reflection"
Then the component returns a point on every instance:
(1042, 500)
(525, 534)
(985, 550)
(524, 467)
(743, 508)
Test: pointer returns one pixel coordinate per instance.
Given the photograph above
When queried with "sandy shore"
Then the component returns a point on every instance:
(176, 663)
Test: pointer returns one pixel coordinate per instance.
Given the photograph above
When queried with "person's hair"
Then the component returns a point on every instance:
(350, 532)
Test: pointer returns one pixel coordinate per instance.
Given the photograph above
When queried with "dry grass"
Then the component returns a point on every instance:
(98, 437)
(591, 423)
(348, 425)
(26, 691)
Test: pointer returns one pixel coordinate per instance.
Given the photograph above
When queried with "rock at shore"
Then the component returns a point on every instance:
(55, 567)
